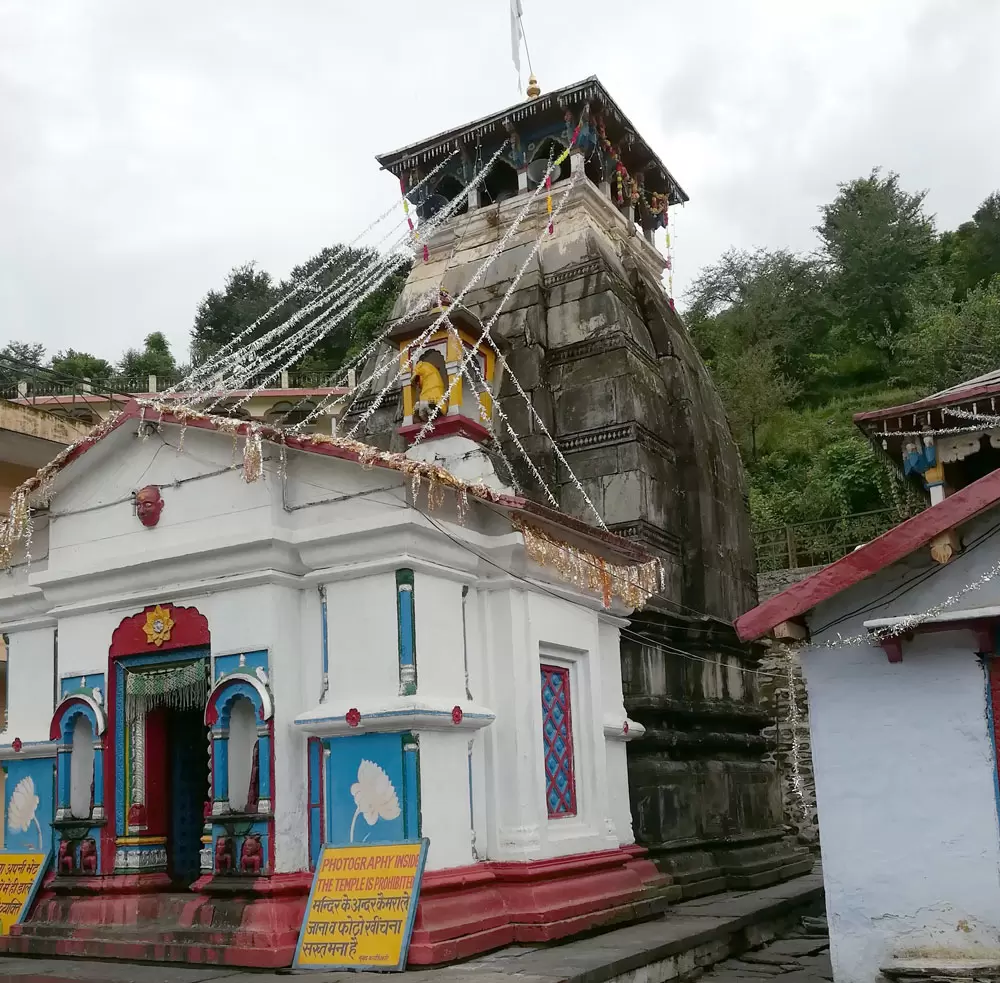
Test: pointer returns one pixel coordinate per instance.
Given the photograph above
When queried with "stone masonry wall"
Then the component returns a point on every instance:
(789, 730)
(782, 695)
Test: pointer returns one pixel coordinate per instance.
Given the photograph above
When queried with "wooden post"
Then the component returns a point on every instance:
(790, 543)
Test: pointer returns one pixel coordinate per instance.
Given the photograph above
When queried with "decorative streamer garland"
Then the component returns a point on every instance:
(409, 221)
(633, 585)
(793, 719)
(206, 368)
(939, 432)
(383, 267)
(180, 688)
(670, 256)
(909, 622)
(992, 421)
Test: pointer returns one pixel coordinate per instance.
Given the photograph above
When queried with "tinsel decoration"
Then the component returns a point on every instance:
(548, 201)
(180, 688)
(409, 221)
(210, 367)
(253, 455)
(670, 256)
(931, 432)
(17, 525)
(634, 585)
(906, 624)
(991, 419)
(793, 719)
(435, 495)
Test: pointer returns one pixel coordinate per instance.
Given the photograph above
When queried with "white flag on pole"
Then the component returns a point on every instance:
(515, 37)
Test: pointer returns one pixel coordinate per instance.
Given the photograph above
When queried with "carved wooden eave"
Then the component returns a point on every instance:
(490, 130)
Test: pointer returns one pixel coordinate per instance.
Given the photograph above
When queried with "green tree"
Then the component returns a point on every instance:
(82, 365)
(27, 352)
(971, 254)
(249, 293)
(775, 298)
(954, 342)
(155, 358)
(753, 390)
(880, 246)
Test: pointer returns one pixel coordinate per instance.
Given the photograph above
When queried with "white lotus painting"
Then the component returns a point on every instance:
(22, 810)
(374, 796)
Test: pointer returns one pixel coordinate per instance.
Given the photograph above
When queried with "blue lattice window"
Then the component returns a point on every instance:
(557, 738)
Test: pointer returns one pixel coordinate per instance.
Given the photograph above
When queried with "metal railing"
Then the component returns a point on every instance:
(820, 541)
(21, 380)
(27, 383)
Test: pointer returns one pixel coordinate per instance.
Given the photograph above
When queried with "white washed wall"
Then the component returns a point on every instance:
(30, 685)
(906, 790)
(251, 558)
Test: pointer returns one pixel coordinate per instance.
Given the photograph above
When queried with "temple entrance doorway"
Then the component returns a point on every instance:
(187, 744)
(165, 755)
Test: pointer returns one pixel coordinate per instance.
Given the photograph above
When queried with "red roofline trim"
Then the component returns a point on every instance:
(889, 548)
(929, 403)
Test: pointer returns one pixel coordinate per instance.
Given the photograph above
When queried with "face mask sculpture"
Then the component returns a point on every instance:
(148, 505)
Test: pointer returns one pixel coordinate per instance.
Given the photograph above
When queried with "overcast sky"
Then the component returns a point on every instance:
(146, 148)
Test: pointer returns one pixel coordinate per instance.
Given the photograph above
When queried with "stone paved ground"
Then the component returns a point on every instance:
(802, 956)
(692, 934)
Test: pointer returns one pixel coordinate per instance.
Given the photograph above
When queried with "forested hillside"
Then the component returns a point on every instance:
(887, 309)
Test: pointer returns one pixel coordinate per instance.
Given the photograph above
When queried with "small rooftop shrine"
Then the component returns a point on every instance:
(614, 156)
(944, 441)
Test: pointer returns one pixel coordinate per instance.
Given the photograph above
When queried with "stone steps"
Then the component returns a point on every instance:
(163, 927)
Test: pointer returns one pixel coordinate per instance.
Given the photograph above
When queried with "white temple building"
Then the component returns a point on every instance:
(231, 646)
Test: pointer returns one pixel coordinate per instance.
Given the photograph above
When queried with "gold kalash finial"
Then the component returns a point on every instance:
(533, 90)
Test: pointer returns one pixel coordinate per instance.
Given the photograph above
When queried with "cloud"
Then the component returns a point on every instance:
(149, 149)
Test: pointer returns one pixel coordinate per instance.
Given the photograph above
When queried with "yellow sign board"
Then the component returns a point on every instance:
(361, 907)
(20, 876)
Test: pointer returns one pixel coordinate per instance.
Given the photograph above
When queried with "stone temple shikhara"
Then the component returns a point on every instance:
(235, 643)
(612, 374)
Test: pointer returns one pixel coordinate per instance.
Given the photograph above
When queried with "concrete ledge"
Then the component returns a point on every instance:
(945, 967)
